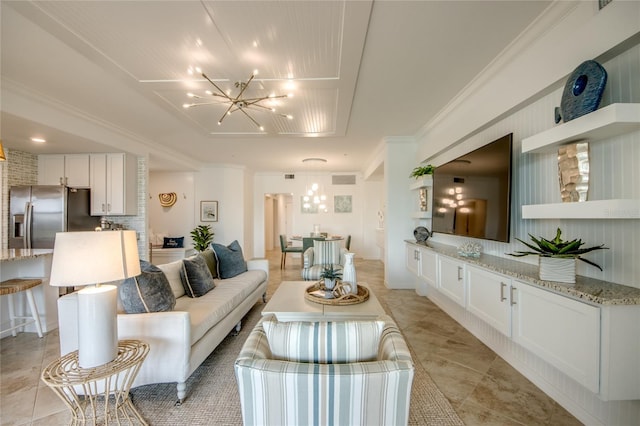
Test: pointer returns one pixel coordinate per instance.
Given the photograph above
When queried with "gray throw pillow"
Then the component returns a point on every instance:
(196, 278)
(210, 258)
(148, 292)
(230, 259)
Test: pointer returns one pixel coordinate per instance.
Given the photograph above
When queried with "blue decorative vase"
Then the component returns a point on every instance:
(583, 90)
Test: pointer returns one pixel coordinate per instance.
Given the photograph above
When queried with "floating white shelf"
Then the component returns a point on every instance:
(421, 215)
(597, 209)
(423, 181)
(607, 122)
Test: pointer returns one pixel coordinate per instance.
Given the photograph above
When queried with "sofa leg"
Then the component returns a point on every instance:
(264, 297)
(182, 387)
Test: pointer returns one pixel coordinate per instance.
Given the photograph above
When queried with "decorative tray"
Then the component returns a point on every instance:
(317, 293)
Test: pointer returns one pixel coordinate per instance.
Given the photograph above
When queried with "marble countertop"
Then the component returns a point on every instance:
(588, 289)
(8, 255)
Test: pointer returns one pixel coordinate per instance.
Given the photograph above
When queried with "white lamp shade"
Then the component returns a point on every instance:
(85, 258)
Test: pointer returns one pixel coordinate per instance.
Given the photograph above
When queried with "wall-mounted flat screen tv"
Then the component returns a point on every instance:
(472, 194)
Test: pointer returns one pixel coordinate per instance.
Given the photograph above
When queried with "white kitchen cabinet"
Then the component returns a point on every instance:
(489, 297)
(413, 259)
(451, 282)
(114, 184)
(562, 331)
(69, 169)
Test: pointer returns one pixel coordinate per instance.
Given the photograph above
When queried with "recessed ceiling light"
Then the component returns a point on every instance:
(39, 140)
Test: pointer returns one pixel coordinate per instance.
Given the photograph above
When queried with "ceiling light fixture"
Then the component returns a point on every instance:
(239, 103)
(314, 198)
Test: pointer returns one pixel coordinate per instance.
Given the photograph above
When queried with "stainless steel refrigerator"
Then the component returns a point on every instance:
(37, 212)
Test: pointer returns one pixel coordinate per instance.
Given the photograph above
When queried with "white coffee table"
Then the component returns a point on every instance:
(289, 304)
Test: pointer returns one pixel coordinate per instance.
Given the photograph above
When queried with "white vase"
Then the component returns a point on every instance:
(349, 273)
(557, 269)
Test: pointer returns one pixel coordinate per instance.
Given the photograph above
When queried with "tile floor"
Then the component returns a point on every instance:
(482, 387)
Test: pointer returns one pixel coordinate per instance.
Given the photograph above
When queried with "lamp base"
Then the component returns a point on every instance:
(97, 325)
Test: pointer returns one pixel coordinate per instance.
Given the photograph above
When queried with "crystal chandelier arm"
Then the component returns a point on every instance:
(216, 86)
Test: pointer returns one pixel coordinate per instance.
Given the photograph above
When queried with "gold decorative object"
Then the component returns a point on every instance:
(241, 102)
(168, 199)
(340, 293)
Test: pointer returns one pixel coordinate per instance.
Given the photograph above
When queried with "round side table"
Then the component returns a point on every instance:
(100, 392)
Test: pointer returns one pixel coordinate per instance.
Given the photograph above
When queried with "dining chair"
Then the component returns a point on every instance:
(347, 243)
(308, 242)
(285, 248)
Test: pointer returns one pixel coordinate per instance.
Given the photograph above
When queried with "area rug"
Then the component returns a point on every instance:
(212, 392)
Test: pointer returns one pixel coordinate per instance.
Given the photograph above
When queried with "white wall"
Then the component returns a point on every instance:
(177, 220)
(357, 223)
(400, 160)
(224, 184)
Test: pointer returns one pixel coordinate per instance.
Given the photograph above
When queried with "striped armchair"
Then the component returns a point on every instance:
(278, 392)
(322, 254)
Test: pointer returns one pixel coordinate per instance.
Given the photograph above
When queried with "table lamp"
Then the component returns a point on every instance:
(91, 259)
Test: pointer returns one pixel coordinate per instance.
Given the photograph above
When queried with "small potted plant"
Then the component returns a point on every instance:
(202, 235)
(557, 258)
(421, 171)
(330, 276)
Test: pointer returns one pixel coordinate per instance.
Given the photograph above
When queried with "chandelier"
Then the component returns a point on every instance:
(314, 199)
(239, 103)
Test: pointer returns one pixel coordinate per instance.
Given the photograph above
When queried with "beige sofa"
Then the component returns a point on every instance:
(181, 339)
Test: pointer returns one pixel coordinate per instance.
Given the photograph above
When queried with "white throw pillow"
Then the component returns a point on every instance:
(172, 272)
(335, 342)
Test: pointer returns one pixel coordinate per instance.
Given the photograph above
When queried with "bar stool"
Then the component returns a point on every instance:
(17, 285)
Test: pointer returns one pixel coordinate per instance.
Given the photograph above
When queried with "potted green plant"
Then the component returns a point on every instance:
(421, 171)
(202, 235)
(557, 257)
(330, 276)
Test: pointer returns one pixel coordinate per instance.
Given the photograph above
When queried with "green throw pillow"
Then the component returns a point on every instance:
(210, 258)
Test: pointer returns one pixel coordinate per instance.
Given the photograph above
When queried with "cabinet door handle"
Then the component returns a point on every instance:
(502, 287)
(108, 207)
(459, 273)
(103, 208)
(511, 294)
(61, 181)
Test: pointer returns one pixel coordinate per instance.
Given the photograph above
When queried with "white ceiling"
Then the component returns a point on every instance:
(106, 75)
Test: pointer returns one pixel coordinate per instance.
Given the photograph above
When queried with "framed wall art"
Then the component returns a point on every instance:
(342, 204)
(208, 211)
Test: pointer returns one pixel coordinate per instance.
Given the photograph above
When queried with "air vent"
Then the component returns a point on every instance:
(289, 176)
(458, 180)
(343, 179)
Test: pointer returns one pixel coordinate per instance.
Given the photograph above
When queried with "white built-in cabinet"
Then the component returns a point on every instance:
(69, 169)
(429, 267)
(413, 259)
(490, 297)
(562, 331)
(114, 183)
(597, 346)
(451, 283)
